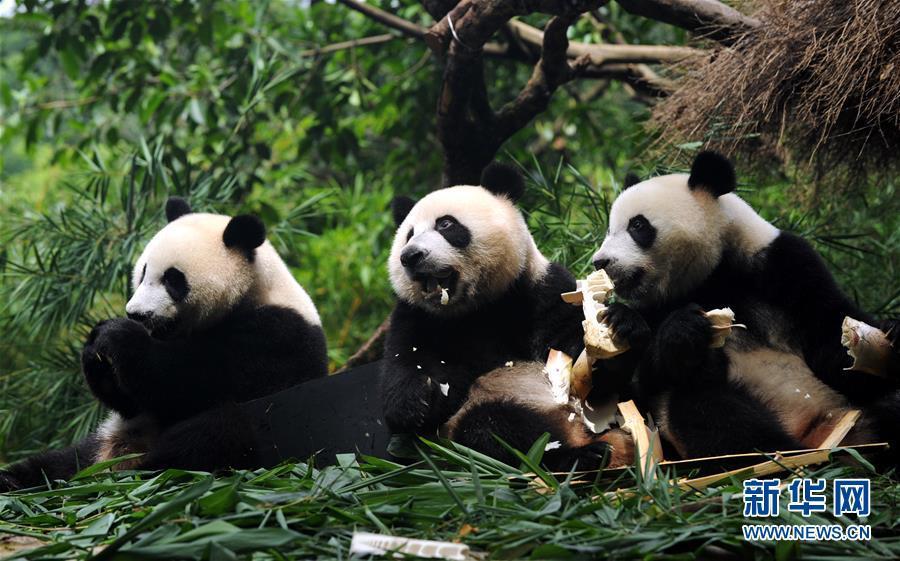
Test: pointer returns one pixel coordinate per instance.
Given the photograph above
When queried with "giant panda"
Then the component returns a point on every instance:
(478, 308)
(216, 318)
(682, 243)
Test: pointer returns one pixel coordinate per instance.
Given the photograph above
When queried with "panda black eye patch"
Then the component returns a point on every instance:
(143, 273)
(641, 231)
(176, 284)
(455, 233)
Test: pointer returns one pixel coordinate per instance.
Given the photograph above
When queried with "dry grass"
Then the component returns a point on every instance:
(818, 85)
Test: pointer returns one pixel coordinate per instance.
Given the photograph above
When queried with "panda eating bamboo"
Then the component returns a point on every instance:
(216, 319)
(682, 243)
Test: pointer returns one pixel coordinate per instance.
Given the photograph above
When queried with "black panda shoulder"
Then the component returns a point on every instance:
(258, 329)
(557, 324)
(792, 273)
(791, 262)
(545, 288)
(554, 280)
(269, 318)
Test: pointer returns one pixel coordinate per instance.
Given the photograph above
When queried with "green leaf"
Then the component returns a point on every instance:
(196, 112)
(220, 501)
(550, 551)
(70, 63)
(102, 466)
(6, 93)
(545, 476)
(214, 528)
(135, 33)
(536, 452)
(160, 512)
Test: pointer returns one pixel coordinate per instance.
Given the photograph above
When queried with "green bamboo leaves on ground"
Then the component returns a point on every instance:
(450, 493)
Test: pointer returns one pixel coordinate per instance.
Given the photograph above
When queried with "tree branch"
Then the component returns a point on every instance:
(465, 120)
(474, 21)
(551, 71)
(638, 76)
(469, 130)
(408, 28)
(709, 18)
(438, 8)
(353, 43)
(603, 54)
(371, 350)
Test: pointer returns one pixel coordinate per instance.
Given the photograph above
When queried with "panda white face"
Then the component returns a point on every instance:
(461, 246)
(193, 271)
(663, 239)
(667, 234)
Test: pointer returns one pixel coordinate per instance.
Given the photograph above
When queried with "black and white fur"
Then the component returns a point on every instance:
(503, 306)
(678, 244)
(216, 319)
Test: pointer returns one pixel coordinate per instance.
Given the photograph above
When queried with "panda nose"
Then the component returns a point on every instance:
(411, 256)
(601, 263)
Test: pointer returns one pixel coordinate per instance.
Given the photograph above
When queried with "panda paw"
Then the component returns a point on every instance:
(8, 483)
(111, 352)
(684, 338)
(117, 338)
(590, 457)
(593, 456)
(411, 408)
(627, 325)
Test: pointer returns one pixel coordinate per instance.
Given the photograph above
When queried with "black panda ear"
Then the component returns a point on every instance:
(503, 179)
(244, 232)
(176, 207)
(631, 178)
(400, 207)
(712, 172)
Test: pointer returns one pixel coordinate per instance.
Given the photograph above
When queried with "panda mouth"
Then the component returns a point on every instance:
(438, 287)
(628, 284)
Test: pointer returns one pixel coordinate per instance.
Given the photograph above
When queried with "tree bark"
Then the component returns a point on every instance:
(707, 18)
(371, 350)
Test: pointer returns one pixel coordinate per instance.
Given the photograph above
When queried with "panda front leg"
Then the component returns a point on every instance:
(131, 372)
(616, 375)
(50, 465)
(412, 401)
(679, 354)
(103, 359)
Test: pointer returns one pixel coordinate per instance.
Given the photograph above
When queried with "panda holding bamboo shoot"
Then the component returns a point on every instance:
(216, 319)
(684, 243)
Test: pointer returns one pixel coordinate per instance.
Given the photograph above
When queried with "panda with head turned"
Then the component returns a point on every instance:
(679, 244)
(216, 318)
(475, 294)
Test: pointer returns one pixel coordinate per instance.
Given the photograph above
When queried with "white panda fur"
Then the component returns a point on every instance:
(501, 250)
(222, 277)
